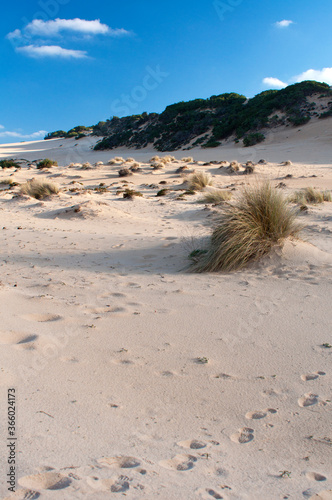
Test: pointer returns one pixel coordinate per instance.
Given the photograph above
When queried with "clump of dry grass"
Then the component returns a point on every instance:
(248, 229)
(250, 169)
(130, 160)
(130, 194)
(86, 166)
(311, 196)
(188, 159)
(216, 196)
(158, 165)
(99, 164)
(39, 189)
(114, 161)
(199, 180)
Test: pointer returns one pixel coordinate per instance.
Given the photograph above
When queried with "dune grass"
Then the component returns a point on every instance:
(199, 180)
(311, 196)
(260, 219)
(216, 196)
(39, 189)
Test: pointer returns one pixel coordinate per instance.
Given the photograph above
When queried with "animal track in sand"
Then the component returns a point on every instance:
(245, 435)
(23, 494)
(119, 485)
(193, 444)
(257, 415)
(41, 318)
(311, 376)
(323, 495)
(208, 493)
(119, 462)
(308, 400)
(179, 463)
(315, 476)
(16, 338)
(224, 376)
(45, 481)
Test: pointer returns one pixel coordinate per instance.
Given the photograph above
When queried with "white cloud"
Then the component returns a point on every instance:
(284, 24)
(14, 34)
(1, 127)
(274, 83)
(319, 75)
(51, 51)
(34, 135)
(39, 27)
(324, 75)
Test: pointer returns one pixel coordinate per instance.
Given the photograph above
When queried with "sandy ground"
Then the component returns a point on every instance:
(137, 378)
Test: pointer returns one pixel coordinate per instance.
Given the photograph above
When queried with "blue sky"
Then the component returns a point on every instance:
(68, 62)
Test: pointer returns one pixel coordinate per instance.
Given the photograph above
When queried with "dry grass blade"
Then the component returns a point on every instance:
(260, 219)
(216, 196)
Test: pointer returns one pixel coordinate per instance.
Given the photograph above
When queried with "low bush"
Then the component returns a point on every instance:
(47, 163)
(216, 196)
(9, 164)
(252, 139)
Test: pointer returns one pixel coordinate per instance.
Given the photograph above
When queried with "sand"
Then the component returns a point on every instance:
(135, 377)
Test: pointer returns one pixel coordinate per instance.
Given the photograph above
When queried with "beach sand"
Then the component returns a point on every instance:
(135, 377)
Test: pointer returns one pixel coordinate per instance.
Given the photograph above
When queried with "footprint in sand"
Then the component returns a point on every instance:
(119, 462)
(14, 338)
(311, 376)
(245, 435)
(45, 481)
(308, 400)
(208, 493)
(41, 318)
(315, 476)
(23, 494)
(179, 463)
(323, 495)
(257, 415)
(193, 444)
(119, 485)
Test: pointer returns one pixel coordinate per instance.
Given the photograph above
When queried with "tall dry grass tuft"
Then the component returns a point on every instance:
(311, 196)
(39, 189)
(199, 180)
(260, 219)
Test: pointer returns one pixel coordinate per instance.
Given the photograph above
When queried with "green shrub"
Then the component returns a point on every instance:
(258, 220)
(130, 194)
(9, 164)
(47, 163)
(252, 139)
(162, 192)
(39, 189)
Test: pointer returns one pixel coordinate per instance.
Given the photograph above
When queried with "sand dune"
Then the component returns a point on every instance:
(136, 377)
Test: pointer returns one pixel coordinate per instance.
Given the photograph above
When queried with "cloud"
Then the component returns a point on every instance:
(51, 51)
(284, 24)
(324, 75)
(274, 83)
(34, 135)
(51, 28)
(1, 127)
(319, 75)
(14, 34)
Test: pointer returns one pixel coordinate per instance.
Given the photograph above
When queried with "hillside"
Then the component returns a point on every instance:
(207, 122)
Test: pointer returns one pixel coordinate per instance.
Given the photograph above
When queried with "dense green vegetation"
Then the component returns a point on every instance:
(77, 132)
(9, 164)
(207, 122)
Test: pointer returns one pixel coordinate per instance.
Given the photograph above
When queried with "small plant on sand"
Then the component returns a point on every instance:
(158, 165)
(8, 182)
(199, 180)
(311, 196)
(216, 196)
(162, 192)
(124, 172)
(119, 159)
(260, 219)
(250, 169)
(130, 194)
(253, 139)
(9, 164)
(47, 163)
(188, 159)
(39, 189)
